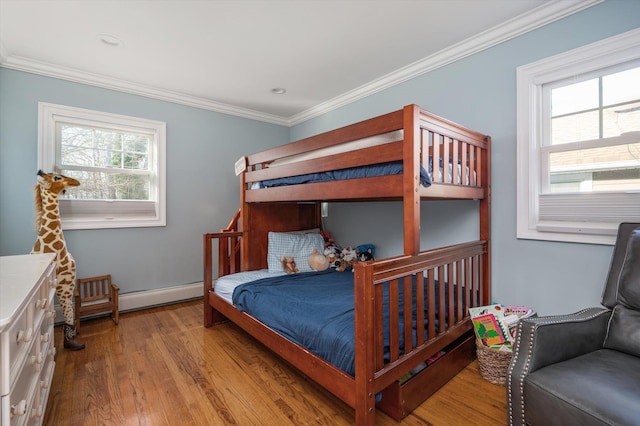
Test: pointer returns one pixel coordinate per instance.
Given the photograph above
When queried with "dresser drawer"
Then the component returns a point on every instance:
(47, 350)
(50, 280)
(17, 342)
(44, 386)
(43, 302)
(25, 391)
(45, 335)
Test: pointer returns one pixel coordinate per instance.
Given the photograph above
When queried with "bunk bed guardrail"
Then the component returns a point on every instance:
(454, 157)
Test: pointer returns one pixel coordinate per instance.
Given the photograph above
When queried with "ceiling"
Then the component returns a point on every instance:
(228, 55)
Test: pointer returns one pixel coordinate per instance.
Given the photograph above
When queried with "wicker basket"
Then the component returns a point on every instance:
(493, 364)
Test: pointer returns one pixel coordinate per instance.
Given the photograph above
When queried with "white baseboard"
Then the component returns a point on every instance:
(149, 298)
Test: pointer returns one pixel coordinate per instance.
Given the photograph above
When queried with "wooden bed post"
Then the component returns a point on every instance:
(365, 367)
(208, 279)
(244, 220)
(411, 181)
(229, 243)
(485, 222)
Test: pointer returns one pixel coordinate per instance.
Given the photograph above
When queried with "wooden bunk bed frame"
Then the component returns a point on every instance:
(465, 267)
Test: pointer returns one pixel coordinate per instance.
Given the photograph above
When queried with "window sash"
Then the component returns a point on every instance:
(107, 213)
(150, 155)
(598, 109)
(546, 151)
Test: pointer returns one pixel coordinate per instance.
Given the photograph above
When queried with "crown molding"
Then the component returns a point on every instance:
(42, 68)
(536, 18)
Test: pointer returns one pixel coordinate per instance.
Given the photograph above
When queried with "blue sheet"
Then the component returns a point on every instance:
(383, 169)
(313, 309)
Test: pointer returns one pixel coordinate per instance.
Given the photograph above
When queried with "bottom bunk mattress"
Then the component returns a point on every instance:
(314, 310)
(225, 285)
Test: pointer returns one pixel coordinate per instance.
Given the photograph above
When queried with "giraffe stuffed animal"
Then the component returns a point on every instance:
(51, 240)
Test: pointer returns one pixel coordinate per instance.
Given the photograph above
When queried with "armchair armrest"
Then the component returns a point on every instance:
(548, 340)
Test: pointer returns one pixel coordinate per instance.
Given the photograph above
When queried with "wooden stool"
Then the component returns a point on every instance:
(95, 295)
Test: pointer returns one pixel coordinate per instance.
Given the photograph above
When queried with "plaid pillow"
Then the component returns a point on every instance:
(300, 246)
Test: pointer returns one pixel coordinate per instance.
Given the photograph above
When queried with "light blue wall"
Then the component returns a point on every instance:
(202, 189)
(480, 92)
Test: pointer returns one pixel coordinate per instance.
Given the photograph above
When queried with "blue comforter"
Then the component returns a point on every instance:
(383, 169)
(314, 310)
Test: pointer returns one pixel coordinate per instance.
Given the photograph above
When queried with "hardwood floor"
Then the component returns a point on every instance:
(162, 367)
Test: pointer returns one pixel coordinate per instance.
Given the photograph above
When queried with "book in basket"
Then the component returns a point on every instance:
(488, 330)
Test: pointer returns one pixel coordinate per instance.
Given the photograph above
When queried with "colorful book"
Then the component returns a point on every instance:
(488, 329)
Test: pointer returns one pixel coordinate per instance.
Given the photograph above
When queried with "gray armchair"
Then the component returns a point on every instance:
(583, 368)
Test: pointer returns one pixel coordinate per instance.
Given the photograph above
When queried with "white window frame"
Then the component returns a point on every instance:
(99, 214)
(530, 127)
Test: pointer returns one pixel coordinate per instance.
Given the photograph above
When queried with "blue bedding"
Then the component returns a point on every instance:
(313, 309)
(383, 169)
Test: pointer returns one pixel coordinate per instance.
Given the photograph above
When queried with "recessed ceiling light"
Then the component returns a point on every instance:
(278, 91)
(109, 40)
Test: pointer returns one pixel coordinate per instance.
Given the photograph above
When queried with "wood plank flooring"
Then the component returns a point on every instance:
(162, 367)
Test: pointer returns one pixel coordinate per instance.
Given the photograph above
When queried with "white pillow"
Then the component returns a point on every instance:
(300, 246)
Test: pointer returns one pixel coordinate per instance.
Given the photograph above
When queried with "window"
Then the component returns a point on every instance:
(579, 142)
(119, 161)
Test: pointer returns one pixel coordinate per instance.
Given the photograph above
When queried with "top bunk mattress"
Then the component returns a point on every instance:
(383, 169)
(374, 170)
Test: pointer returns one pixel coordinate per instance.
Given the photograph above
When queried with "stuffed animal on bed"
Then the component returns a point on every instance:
(365, 256)
(332, 254)
(365, 252)
(343, 259)
(317, 261)
(289, 265)
(348, 258)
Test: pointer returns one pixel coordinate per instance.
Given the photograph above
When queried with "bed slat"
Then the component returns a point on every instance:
(451, 292)
(420, 308)
(409, 301)
(460, 283)
(446, 159)
(431, 298)
(394, 323)
(379, 327)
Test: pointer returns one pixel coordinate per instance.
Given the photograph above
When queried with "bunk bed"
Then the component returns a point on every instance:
(428, 336)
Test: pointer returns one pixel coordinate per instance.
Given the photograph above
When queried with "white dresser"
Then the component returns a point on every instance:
(27, 289)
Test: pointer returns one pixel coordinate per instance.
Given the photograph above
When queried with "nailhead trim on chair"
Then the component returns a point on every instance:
(516, 350)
